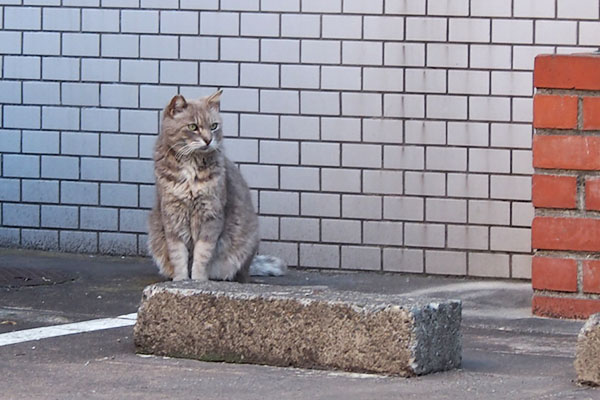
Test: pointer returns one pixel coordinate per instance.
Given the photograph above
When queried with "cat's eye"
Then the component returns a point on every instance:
(214, 126)
(192, 127)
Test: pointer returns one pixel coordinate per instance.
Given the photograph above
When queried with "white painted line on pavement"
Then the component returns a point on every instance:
(66, 329)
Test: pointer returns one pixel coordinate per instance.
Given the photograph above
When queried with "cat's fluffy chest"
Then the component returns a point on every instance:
(197, 184)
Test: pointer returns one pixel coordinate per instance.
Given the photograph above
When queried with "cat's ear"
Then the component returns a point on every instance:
(177, 105)
(214, 100)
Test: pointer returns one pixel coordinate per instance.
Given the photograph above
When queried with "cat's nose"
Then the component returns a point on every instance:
(207, 140)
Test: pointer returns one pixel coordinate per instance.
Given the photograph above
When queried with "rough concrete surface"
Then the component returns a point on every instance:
(299, 326)
(587, 360)
(507, 353)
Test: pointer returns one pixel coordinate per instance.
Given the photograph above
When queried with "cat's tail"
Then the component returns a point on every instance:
(267, 266)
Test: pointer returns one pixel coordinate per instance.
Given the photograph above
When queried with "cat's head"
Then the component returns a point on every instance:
(193, 126)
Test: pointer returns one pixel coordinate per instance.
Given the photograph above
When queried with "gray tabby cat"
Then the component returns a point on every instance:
(203, 212)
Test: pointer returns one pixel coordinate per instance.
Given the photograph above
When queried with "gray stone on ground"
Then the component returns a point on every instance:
(587, 359)
(307, 327)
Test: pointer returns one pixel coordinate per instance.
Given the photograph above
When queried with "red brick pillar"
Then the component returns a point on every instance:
(566, 186)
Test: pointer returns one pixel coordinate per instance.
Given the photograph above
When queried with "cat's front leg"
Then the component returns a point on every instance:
(203, 252)
(178, 255)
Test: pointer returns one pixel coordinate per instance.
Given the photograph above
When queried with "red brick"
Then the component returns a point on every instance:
(591, 113)
(550, 191)
(566, 152)
(558, 274)
(575, 234)
(564, 307)
(581, 71)
(591, 276)
(554, 112)
(592, 194)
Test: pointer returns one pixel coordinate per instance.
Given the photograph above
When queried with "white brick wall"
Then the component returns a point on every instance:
(389, 135)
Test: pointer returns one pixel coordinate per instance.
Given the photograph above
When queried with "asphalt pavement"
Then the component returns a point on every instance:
(507, 353)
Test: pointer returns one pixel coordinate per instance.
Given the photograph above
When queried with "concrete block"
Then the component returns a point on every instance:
(299, 127)
(300, 25)
(404, 54)
(299, 178)
(39, 239)
(176, 72)
(96, 218)
(133, 221)
(425, 235)
(490, 56)
(300, 229)
(99, 70)
(403, 260)
(279, 101)
(10, 91)
(320, 204)
(22, 67)
(319, 6)
(179, 22)
(118, 194)
(94, 20)
(259, 75)
(320, 103)
(588, 352)
(362, 53)
(164, 47)
(259, 126)
(22, 18)
(319, 255)
(60, 167)
(20, 215)
(219, 23)
(280, 51)
(321, 51)
(361, 257)
(403, 208)
(125, 96)
(341, 231)
(359, 206)
(11, 141)
(261, 176)
(79, 143)
(260, 24)
(383, 233)
(81, 44)
(139, 121)
(10, 237)
(124, 46)
(279, 203)
(80, 94)
(239, 49)
(10, 189)
(117, 243)
(10, 42)
(78, 242)
(100, 119)
(340, 180)
(324, 154)
(137, 171)
(79, 193)
(60, 217)
(21, 166)
(118, 145)
(62, 19)
(199, 48)
(40, 191)
(37, 43)
(60, 118)
(302, 327)
(278, 152)
(99, 169)
(40, 142)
